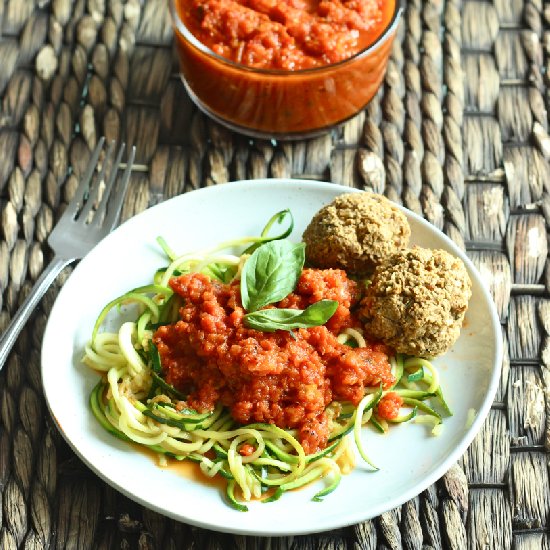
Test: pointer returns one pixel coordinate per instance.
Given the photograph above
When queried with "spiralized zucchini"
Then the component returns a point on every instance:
(134, 403)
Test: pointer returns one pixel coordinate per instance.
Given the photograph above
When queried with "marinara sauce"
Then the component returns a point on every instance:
(280, 378)
(287, 34)
(283, 68)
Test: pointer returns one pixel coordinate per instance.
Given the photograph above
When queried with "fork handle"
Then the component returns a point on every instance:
(9, 337)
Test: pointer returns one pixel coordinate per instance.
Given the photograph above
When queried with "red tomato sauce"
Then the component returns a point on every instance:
(279, 378)
(285, 34)
(265, 99)
(388, 407)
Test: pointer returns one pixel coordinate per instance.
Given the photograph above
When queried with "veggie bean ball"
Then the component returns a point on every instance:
(356, 232)
(417, 301)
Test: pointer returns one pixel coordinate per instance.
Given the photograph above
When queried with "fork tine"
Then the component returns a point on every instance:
(115, 204)
(72, 207)
(96, 184)
(98, 218)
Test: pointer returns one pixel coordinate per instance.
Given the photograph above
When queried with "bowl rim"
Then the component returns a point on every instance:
(388, 31)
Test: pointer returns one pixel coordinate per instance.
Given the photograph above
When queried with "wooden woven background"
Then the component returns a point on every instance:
(460, 129)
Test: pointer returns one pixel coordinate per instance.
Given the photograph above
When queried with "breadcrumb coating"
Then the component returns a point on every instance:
(417, 301)
(356, 232)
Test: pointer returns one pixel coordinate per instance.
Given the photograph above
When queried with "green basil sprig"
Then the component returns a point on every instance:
(270, 320)
(271, 273)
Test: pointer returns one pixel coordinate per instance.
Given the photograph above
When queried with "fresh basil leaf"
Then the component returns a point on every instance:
(271, 273)
(270, 320)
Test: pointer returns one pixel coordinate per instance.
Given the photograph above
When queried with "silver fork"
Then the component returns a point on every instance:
(83, 224)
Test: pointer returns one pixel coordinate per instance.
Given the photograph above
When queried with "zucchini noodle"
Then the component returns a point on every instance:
(134, 403)
(355, 335)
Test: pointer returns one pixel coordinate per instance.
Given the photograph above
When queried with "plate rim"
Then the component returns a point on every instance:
(463, 443)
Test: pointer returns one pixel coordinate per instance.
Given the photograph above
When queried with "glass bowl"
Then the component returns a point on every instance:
(280, 104)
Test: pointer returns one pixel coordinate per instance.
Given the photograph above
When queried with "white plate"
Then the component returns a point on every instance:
(410, 458)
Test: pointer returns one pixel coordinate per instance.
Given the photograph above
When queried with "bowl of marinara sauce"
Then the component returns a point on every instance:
(283, 69)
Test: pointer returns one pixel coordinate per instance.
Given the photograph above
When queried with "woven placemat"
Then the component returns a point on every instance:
(459, 129)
